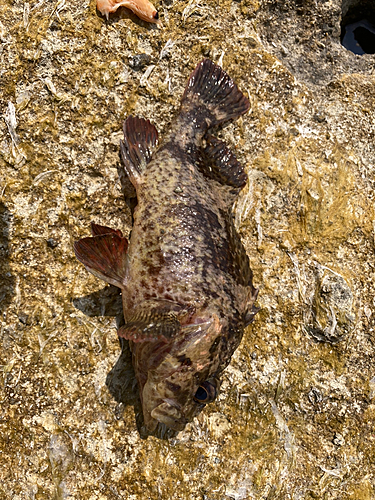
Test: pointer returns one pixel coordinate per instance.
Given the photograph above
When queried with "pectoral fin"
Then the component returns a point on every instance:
(250, 315)
(150, 325)
(104, 255)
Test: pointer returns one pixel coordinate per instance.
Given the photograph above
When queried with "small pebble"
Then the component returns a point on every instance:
(51, 243)
(338, 439)
(319, 117)
(23, 318)
(139, 61)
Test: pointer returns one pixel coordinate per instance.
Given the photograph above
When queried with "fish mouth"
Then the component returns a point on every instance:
(169, 413)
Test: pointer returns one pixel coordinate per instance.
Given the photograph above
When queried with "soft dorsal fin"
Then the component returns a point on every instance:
(104, 255)
(140, 140)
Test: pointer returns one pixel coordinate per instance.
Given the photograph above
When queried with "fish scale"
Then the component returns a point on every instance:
(185, 276)
(177, 228)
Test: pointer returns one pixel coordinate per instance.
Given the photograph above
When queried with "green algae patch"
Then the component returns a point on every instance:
(326, 203)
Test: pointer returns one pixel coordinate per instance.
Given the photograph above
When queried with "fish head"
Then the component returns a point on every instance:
(181, 376)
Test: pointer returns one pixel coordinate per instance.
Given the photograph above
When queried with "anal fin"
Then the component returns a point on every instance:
(140, 140)
(104, 254)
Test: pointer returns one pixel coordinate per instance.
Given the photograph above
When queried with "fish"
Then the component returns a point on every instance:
(186, 283)
(142, 8)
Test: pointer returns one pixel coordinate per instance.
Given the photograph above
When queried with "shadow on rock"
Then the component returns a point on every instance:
(7, 280)
(105, 302)
(122, 385)
(121, 380)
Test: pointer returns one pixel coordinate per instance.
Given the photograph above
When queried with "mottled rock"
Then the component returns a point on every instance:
(295, 416)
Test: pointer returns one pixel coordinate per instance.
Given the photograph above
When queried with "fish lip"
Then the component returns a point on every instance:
(169, 412)
(172, 403)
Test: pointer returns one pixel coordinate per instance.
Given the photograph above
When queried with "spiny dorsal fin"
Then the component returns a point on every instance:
(211, 87)
(250, 315)
(252, 310)
(96, 230)
(140, 140)
(104, 256)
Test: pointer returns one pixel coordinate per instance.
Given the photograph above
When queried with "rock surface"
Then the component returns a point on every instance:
(296, 414)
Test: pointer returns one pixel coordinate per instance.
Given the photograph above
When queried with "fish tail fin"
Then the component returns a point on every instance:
(211, 93)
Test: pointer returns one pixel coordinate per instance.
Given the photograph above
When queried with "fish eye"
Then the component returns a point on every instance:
(206, 393)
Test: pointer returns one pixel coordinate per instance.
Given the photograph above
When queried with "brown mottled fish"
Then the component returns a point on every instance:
(185, 277)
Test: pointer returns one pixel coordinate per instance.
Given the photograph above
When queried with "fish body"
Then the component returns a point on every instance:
(142, 8)
(185, 277)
